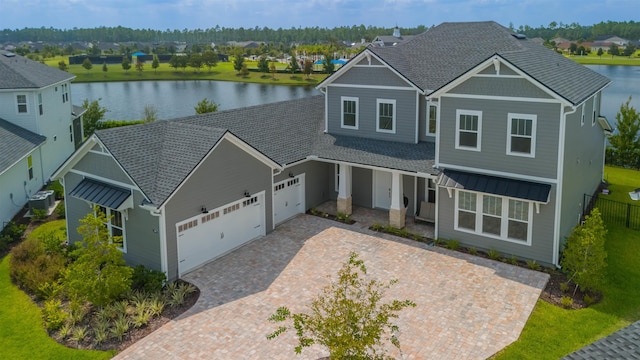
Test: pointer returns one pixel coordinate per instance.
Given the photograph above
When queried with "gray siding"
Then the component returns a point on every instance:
(583, 159)
(102, 165)
(317, 179)
(141, 228)
(494, 136)
(541, 248)
(405, 113)
(223, 177)
(371, 76)
(374, 61)
(496, 86)
(491, 70)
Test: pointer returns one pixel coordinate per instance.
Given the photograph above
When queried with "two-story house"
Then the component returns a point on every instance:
(490, 136)
(39, 128)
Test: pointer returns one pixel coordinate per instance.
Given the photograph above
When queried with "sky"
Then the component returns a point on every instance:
(204, 14)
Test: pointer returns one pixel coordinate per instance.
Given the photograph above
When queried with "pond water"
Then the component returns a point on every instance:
(172, 99)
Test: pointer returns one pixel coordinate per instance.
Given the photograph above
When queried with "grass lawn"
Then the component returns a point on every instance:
(605, 59)
(552, 332)
(22, 334)
(223, 72)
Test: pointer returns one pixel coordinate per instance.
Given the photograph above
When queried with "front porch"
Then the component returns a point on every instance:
(365, 217)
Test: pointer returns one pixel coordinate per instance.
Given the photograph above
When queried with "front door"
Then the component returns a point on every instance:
(382, 189)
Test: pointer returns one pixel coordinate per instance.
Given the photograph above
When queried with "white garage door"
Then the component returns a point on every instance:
(288, 198)
(207, 236)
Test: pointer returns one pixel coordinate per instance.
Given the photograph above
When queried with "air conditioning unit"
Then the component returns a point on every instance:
(42, 200)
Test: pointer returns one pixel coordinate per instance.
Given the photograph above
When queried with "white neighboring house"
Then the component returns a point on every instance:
(39, 128)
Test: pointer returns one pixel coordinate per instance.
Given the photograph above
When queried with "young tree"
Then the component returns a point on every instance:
(126, 64)
(150, 114)
(62, 65)
(210, 59)
(348, 318)
(92, 116)
(273, 70)
(263, 64)
(614, 50)
(87, 64)
(183, 61)
(584, 257)
(139, 65)
(600, 52)
(328, 64)
(308, 68)
(244, 72)
(174, 62)
(195, 61)
(99, 273)
(105, 69)
(626, 141)
(155, 64)
(206, 106)
(293, 64)
(572, 48)
(238, 61)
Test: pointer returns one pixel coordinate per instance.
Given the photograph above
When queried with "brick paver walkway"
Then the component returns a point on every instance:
(467, 307)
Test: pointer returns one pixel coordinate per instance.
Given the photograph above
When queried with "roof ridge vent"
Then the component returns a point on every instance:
(519, 36)
(9, 54)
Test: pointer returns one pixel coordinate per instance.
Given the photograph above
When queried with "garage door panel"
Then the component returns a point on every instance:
(288, 198)
(207, 236)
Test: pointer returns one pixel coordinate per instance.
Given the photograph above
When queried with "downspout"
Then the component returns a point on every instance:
(560, 175)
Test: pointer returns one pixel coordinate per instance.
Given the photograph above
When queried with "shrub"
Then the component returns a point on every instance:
(533, 265)
(178, 293)
(473, 251)
(50, 290)
(77, 311)
(60, 211)
(564, 287)
(53, 314)
(31, 268)
(57, 188)
(120, 327)
(65, 331)
(566, 301)
(377, 227)
(453, 244)
(39, 214)
(156, 306)
(14, 231)
(588, 300)
(147, 279)
(79, 333)
(513, 260)
(100, 332)
(142, 318)
(493, 254)
(340, 216)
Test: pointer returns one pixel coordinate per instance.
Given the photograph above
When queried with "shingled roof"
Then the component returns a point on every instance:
(160, 155)
(442, 54)
(623, 344)
(16, 143)
(18, 72)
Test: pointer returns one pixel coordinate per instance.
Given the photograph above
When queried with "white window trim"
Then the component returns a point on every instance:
(479, 132)
(504, 218)
(356, 100)
(595, 102)
(534, 122)
(429, 105)
(393, 121)
(108, 224)
(26, 104)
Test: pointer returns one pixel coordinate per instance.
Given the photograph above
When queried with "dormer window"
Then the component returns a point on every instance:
(349, 112)
(386, 116)
(21, 102)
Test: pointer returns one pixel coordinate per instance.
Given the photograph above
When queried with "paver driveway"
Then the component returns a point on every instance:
(467, 307)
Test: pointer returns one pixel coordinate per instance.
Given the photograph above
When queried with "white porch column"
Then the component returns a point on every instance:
(397, 212)
(344, 190)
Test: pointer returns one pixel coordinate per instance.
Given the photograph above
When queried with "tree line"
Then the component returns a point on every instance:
(629, 30)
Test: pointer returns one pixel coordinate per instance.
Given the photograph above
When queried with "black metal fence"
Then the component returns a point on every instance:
(614, 212)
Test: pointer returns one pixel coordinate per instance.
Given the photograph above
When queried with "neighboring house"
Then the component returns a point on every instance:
(391, 40)
(39, 128)
(496, 147)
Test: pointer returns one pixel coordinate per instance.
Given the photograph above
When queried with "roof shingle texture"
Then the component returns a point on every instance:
(18, 72)
(15, 143)
(623, 344)
(160, 155)
(442, 54)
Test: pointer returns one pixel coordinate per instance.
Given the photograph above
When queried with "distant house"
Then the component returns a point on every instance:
(39, 128)
(496, 148)
(391, 40)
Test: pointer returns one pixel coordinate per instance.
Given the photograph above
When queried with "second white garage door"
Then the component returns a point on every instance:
(288, 198)
(208, 236)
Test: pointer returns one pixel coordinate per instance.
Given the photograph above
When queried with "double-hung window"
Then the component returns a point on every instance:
(468, 129)
(494, 216)
(432, 118)
(349, 112)
(30, 167)
(21, 102)
(40, 109)
(115, 226)
(521, 139)
(386, 116)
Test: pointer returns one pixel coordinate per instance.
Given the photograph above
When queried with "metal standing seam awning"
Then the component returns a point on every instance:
(103, 194)
(518, 189)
